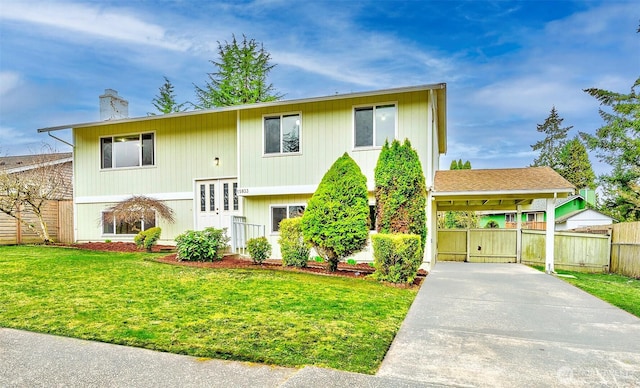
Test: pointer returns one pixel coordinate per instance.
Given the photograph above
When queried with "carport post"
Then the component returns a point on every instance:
(519, 234)
(550, 234)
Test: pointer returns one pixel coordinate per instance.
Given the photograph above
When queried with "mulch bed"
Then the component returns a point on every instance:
(359, 270)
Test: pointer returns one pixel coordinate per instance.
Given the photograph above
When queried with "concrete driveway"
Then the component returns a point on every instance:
(509, 325)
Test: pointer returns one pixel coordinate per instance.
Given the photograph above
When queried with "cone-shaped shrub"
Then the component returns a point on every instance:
(401, 193)
(336, 220)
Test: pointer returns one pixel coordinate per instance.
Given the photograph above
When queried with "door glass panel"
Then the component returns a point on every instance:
(225, 193)
(212, 196)
(235, 196)
(203, 199)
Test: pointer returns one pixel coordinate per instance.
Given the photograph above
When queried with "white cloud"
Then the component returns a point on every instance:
(9, 80)
(114, 24)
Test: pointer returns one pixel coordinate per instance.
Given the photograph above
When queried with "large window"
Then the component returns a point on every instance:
(280, 212)
(127, 151)
(110, 226)
(282, 134)
(373, 125)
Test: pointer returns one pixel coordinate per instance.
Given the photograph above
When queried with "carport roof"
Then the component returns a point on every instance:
(497, 189)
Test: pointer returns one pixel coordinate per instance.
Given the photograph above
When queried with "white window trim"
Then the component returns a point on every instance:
(155, 142)
(353, 124)
(280, 154)
(287, 205)
(114, 226)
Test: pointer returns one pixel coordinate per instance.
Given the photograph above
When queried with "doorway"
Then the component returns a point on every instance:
(217, 201)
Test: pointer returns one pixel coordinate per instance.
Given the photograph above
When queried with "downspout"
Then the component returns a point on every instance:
(64, 141)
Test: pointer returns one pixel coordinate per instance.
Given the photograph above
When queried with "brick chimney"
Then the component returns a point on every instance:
(112, 106)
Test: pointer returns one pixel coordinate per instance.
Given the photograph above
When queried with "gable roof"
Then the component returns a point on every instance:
(438, 89)
(13, 164)
(566, 217)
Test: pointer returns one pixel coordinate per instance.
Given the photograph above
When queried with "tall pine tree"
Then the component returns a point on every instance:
(574, 165)
(552, 144)
(240, 76)
(165, 102)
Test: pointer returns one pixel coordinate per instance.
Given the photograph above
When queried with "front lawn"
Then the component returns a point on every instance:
(274, 317)
(620, 291)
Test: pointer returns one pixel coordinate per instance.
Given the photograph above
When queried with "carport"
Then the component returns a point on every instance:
(497, 189)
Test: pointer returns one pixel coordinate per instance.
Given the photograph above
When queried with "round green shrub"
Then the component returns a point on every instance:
(259, 249)
(148, 238)
(336, 220)
(397, 257)
(202, 245)
(294, 250)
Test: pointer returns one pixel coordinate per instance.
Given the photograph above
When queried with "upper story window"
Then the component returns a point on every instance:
(282, 134)
(374, 124)
(127, 151)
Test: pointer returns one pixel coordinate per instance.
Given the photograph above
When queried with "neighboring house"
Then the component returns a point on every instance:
(58, 212)
(256, 163)
(570, 213)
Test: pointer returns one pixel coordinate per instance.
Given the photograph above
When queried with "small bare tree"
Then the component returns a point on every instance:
(29, 191)
(140, 208)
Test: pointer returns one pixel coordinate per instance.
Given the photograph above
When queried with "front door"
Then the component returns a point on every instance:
(217, 201)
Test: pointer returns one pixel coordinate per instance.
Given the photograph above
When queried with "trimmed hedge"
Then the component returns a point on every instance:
(259, 249)
(336, 220)
(397, 257)
(202, 245)
(147, 238)
(295, 251)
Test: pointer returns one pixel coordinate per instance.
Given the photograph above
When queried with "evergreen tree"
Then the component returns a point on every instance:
(401, 192)
(458, 165)
(165, 102)
(618, 144)
(240, 76)
(458, 219)
(555, 138)
(574, 165)
(336, 220)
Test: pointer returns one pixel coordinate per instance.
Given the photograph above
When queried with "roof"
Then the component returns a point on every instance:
(566, 217)
(497, 189)
(439, 89)
(13, 164)
(540, 205)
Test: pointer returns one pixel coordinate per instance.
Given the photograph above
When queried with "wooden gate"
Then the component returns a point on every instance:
(477, 245)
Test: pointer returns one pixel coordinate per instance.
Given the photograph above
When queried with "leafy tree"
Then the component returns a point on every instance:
(336, 220)
(553, 142)
(241, 76)
(458, 165)
(401, 193)
(31, 191)
(140, 208)
(165, 102)
(574, 164)
(618, 144)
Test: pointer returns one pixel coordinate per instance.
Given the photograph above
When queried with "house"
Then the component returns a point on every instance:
(570, 213)
(255, 164)
(248, 167)
(57, 212)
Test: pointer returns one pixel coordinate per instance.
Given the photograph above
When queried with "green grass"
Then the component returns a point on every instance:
(620, 291)
(274, 317)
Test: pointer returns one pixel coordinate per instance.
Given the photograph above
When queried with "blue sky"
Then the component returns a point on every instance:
(506, 63)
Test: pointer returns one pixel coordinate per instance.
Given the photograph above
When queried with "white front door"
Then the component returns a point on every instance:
(217, 200)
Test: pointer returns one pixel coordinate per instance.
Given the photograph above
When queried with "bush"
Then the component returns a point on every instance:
(397, 257)
(492, 224)
(147, 238)
(259, 249)
(202, 245)
(401, 193)
(336, 220)
(295, 251)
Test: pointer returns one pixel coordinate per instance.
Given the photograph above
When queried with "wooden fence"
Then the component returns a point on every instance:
(625, 249)
(57, 214)
(581, 252)
(477, 245)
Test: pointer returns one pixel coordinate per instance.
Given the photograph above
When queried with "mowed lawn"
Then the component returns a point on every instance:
(274, 317)
(620, 291)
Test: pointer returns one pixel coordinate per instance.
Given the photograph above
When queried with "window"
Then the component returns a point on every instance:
(510, 217)
(535, 217)
(373, 125)
(282, 134)
(127, 151)
(280, 212)
(109, 225)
